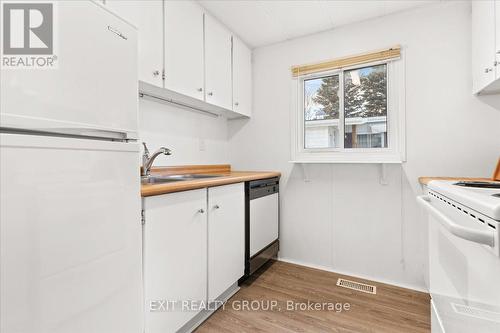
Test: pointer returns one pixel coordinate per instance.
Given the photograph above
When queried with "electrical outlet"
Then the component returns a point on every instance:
(202, 145)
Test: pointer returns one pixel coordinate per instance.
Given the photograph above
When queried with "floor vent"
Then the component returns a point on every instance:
(476, 312)
(366, 288)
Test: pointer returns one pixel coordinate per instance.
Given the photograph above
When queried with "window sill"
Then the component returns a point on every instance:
(378, 156)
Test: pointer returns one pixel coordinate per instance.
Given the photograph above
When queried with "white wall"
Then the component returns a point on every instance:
(343, 219)
(194, 138)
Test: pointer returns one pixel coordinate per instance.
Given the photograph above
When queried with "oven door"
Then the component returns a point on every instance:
(464, 276)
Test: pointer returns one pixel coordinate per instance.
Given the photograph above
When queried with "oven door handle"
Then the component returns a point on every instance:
(473, 235)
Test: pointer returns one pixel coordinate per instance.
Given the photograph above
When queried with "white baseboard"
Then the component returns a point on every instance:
(365, 277)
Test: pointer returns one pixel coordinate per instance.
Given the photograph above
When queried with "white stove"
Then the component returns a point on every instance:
(483, 197)
(469, 210)
(464, 255)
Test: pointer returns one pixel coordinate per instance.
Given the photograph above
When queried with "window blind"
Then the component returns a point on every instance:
(386, 54)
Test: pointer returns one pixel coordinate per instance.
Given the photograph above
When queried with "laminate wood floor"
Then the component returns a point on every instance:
(280, 286)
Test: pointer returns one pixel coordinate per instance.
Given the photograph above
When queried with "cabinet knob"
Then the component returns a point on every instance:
(200, 89)
(156, 73)
(487, 70)
(236, 103)
(210, 94)
(201, 211)
(216, 207)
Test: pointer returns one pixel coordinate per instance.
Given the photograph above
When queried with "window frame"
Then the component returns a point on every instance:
(395, 119)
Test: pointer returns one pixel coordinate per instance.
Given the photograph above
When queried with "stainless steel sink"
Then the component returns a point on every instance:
(173, 178)
(157, 180)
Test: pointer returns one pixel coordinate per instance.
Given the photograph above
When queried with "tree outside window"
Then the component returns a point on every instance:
(364, 106)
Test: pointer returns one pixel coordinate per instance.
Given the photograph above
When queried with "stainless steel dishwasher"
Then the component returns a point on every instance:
(261, 223)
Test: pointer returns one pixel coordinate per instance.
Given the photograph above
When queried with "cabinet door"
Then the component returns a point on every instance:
(242, 77)
(497, 34)
(218, 64)
(184, 48)
(147, 16)
(226, 237)
(175, 256)
(483, 43)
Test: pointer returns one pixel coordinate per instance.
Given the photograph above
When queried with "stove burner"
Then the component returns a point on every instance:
(479, 184)
(496, 195)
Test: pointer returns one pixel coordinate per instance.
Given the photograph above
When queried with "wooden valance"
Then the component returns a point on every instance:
(387, 54)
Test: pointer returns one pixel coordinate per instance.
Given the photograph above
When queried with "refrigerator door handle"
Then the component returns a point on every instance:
(96, 133)
(77, 132)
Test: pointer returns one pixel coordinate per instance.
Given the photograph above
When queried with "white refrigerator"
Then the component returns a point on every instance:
(70, 224)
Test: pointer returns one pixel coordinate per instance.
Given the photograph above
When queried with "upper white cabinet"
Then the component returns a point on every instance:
(497, 39)
(242, 78)
(187, 57)
(226, 242)
(485, 23)
(217, 64)
(147, 16)
(184, 48)
(175, 256)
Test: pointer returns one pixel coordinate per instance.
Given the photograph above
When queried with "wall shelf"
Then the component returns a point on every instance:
(382, 168)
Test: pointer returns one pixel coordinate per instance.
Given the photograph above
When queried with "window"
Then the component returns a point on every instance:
(352, 114)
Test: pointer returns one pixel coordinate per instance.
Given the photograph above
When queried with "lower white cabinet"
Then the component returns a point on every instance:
(175, 257)
(190, 237)
(226, 237)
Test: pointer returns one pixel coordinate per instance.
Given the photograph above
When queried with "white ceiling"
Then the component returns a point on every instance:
(263, 22)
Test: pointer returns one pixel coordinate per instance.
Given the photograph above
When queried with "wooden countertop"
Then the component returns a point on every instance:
(426, 180)
(227, 176)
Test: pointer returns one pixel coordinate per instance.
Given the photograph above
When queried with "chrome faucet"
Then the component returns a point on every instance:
(147, 161)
